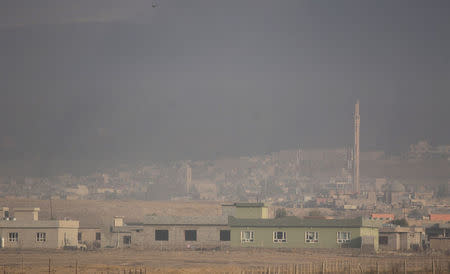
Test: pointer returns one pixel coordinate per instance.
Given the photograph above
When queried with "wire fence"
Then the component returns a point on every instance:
(350, 265)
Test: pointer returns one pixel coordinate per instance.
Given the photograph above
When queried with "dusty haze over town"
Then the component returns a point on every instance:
(120, 117)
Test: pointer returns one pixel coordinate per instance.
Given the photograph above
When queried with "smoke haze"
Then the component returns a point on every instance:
(89, 83)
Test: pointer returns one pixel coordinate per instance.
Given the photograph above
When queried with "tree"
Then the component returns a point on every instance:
(401, 222)
(280, 212)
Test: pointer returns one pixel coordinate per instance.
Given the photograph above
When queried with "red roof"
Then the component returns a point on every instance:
(439, 217)
(384, 216)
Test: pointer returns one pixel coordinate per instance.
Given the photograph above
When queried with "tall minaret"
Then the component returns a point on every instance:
(356, 122)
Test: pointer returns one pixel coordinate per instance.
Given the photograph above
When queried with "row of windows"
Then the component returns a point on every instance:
(189, 235)
(14, 237)
(281, 237)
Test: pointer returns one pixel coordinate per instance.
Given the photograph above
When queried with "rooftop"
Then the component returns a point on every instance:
(185, 220)
(292, 221)
(249, 204)
(26, 209)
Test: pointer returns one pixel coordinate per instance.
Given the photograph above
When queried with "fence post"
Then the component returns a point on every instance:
(49, 265)
(404, 266)
(433, 268)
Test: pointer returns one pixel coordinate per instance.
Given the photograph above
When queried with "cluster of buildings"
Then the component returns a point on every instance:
(424, 150)
(241, 225)
(315, 178)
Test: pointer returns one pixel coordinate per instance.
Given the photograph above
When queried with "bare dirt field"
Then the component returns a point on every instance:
(229, 261)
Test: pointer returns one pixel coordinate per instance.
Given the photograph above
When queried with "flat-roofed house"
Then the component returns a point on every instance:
(25, 230)
(394, 237)
(173, 232)
(293, 232)
(181, 232)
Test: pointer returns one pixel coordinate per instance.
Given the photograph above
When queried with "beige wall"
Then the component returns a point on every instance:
(401, 240)
(28, 237)
(440, 243)
(207, 237)
(88, 237)
(370, 236)
(393, 241)
(26, 215)
(58, 233)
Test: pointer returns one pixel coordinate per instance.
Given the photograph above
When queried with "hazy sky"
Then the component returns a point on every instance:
(192, 79)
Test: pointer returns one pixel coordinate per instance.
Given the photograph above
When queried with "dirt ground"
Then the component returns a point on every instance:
(150, 261)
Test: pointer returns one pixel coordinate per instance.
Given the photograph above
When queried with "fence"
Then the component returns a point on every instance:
(433, 266)
(350, 265)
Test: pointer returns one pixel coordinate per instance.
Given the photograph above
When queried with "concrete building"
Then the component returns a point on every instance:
(173, 232)
(292, 232)
(241, 225)
(25, 230)
(401, 238)
(90, 236)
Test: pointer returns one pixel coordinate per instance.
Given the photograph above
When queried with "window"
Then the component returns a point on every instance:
(161, 235)
(41, 237)
(80, 237)
(190, 235)
(225, 235)
(98, 236)
(311, 237)
(383, 240)
(13, 237)
(343, 237)
(247, 236)
(279, 237)
(126, 240)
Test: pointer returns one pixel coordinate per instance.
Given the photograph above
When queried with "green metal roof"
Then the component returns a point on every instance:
(292, 221)
(249, 204)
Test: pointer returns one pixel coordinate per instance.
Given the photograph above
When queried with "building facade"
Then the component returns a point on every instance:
(292, 232)
(173, 232)
(29, 232)
(401, 238)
